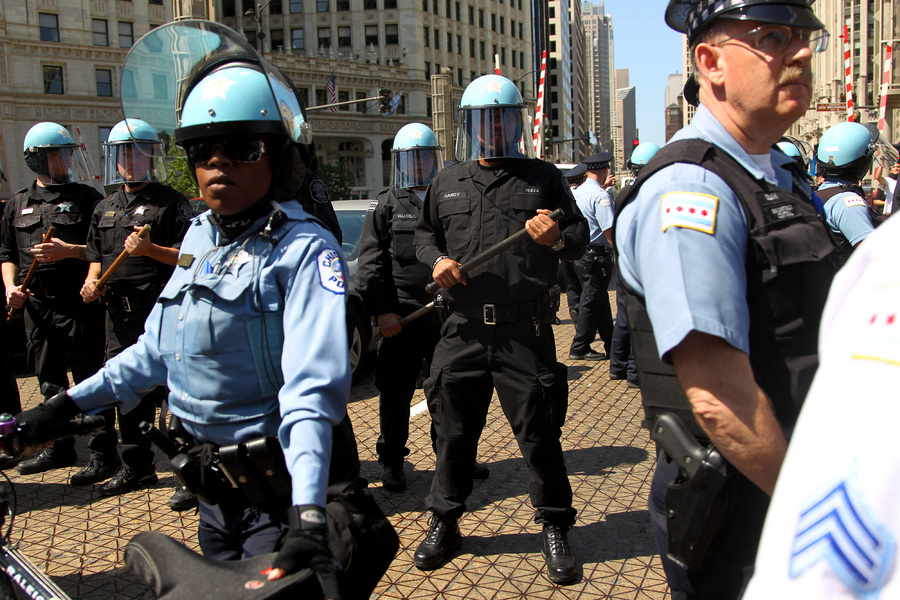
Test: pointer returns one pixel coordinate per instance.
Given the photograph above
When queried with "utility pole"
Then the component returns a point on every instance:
(255, 13)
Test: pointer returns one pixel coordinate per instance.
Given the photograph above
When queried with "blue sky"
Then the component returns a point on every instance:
(650, 50)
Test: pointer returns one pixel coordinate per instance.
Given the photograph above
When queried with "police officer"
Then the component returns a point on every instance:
(255, 274)
(621, 359)
(392, 284)
(133, 157)
(62, 332)
(845, 155)
(726, 264)
(9, 389)
(851, 552)
(595, 268)
(570, 282)
(498, 335)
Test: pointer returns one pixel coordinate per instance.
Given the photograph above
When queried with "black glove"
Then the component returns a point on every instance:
(306, 545)
(44, 422)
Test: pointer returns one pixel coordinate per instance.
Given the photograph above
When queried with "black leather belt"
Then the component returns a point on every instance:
(494, 314)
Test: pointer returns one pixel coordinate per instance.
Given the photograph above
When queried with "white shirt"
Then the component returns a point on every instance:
(834, 522)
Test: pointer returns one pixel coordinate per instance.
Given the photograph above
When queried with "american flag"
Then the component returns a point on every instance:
(332, 93)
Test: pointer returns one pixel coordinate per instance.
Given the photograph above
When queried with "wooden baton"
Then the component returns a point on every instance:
(101, 283)
(32, 270)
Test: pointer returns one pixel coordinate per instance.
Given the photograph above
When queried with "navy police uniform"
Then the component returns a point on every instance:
(313, 196)
(391, 280)
(498, 332)
(9, 389)
(131, 293)
(62, 332)
(708, 241)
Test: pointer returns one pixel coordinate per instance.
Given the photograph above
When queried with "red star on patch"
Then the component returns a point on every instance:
(679, 209)
(891, 319)
(692, 211)
(704, 213)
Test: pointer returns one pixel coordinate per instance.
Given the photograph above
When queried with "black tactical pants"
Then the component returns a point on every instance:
(63, 333)
(594, 312)
(571, 283)
(470, 361)
(621, 359)
(398, 366)
(9, 389)
(123, 328)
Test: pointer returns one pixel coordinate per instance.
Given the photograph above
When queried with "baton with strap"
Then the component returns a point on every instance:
(32, 270)
(101, 283)
(477, 261)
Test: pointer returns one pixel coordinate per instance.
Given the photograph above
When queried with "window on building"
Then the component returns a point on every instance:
(53, 80)
(101, 32)
(502, 26)
(522, 59)
(344, 97)
(503, 57)
(321, 97)
(126, 34)
(437, 39)
(521, 34)
(457, 12)
(552, 45)
(553, 80)
(361, 107)
(494, 53)
(480, 17)
(104, 82)
(471, 47)
(427, 37)
(552, 12)
(128, 84)
(554, 98)
(160, 86)
(459, 76)
(459, 49)
(450, 43)
(342, 5)
(390, 4)
(471, 75)
(324, 37)
(344, 38)
(434, 7)
(425, 5)
(471, 15)
(428, 109)
(481, 49)
(227, 9)
(321, 5)
(370, 5)
(371, 35)
(274, 7)
(49, 25)
(277, 39)
(103, 132)
(391, 34)
(427, 70)
(298, 42)
(295, 6)
(552, 28)
(493, 22)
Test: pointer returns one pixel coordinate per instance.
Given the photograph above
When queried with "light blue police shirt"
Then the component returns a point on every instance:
(691, 272)
(250, 340)
(847, 213)
(597, 208)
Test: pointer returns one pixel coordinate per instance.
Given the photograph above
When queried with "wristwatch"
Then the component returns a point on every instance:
(560, 244)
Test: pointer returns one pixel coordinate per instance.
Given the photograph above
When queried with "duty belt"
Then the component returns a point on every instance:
(493, 314)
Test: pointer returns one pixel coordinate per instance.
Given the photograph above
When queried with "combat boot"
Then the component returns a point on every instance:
(127, 480)
(393, 479)
(442, 539)
(48, 459)
(557, 554)
(182, 499)
(97, 469)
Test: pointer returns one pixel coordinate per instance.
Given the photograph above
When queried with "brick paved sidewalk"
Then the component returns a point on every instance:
(78, 536)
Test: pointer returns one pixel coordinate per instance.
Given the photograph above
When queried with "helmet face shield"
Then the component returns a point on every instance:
(494, 132)
(415, 168)
(133, 162)
(60, 164)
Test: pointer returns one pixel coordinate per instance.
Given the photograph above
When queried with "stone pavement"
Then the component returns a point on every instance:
(78, 536)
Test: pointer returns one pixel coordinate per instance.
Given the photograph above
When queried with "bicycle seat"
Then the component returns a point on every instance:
(177, 573)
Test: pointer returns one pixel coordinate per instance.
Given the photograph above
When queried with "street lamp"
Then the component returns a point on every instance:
(255, 14)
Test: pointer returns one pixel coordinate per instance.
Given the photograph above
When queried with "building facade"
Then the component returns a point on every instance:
(600, 74)
(626, 120)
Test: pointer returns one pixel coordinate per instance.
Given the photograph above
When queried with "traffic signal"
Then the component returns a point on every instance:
(635, 143)
(384, 100)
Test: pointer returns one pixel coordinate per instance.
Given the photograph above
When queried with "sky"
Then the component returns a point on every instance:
(651, 51)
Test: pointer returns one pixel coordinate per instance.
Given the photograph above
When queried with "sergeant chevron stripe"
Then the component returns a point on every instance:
(839, 528)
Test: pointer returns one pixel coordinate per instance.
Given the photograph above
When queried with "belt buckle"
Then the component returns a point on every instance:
(126, 304)
(490, 314)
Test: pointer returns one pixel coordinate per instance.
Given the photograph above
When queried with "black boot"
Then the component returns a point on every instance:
(393, 479)
(557, 554)
(481, 471)
(97, 469)
(442, 539)
(48, 459)
(182, 499)
(127, 480)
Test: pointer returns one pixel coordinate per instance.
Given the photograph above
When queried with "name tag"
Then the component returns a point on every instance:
(109, 213)
(528, 189)
(185, 260)
(27, 211)
(451, 195)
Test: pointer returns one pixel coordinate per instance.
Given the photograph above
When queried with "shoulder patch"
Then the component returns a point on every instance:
(854, 200)
(331, 274)
(185, 210)
(604, 202)
(689, 210)
(318, 191)
(879, 339)
(373, 205)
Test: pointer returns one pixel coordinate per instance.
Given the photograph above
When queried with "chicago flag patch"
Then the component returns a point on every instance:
(689, 210)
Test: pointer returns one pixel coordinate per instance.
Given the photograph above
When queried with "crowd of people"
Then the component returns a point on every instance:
(724, 254)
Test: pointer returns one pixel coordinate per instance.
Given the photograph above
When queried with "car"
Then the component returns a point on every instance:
(360, 330)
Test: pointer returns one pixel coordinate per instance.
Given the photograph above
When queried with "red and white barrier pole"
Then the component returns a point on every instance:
(848, 72)
(539, 110)
(885, 82)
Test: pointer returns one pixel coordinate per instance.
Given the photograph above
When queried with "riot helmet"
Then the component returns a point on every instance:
(493, 121)
(52, 154)
(415, 157)
(846, 150)
(641, 156)
(133, 154)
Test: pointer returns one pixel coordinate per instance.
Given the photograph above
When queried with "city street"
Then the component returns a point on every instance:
(78, 536)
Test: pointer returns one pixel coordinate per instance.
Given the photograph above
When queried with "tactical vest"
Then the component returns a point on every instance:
(790, 263)
(843, 244)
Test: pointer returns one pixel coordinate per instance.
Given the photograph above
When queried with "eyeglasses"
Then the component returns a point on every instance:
(774, 39)
(238, 149)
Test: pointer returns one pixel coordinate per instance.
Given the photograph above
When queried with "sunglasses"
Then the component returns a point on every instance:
(237, 149)
(774, 39)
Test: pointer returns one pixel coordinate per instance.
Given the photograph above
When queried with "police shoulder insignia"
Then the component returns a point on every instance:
(689, 210)
(318, 191)
(853, 200)
(331, 274)
(837, 526)
(185, 210)
(373, 205)
(879, 338)
(604, 202)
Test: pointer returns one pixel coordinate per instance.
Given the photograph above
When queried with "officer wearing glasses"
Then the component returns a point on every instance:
(726, 263)
(248, 334)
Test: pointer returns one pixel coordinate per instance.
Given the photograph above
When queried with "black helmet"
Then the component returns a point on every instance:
(691, 16)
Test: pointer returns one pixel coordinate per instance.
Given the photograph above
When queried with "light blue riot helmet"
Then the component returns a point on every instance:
(641, 156)
(53, 155)
(133, 153)
(494, 122)
(846, 150)
(415, 157)
(794, 149)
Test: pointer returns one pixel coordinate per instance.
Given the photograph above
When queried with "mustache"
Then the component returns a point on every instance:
(795, 74)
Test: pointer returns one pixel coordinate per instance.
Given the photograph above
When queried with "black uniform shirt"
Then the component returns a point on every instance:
(470, 207)
(167, 212)
(388, 268)
(31, 211)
